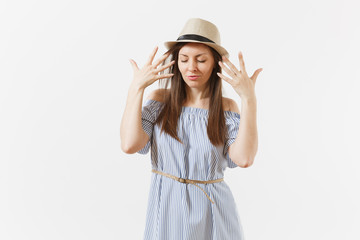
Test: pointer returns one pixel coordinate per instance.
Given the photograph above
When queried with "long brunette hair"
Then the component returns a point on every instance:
(173, 102)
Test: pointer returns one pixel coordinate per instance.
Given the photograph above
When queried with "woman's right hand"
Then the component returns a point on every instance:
(150, 72)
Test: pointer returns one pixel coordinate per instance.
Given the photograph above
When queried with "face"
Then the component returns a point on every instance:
(196, 64)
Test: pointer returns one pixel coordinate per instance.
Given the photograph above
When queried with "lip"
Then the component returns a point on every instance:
(193, 77)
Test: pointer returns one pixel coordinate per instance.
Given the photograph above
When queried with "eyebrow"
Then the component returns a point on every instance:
(195, 56)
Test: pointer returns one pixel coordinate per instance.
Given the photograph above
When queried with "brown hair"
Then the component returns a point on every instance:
(173, 102)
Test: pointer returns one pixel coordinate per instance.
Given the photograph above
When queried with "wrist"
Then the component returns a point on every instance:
(135, 88)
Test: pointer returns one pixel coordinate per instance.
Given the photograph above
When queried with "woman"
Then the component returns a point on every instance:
(194, 134)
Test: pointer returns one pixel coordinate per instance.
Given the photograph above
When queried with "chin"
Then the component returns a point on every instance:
(194, 84)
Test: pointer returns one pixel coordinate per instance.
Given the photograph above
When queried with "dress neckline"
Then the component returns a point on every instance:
(189, 109)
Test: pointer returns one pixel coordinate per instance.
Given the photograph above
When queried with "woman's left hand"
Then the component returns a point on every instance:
(240, 81)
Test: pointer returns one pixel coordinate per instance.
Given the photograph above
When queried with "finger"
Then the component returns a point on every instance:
(227, 70)
(232, 66)
(162, 68)
(164, 76)
(134, 65)
(242, 63)
(152, 55)
(229, 80)
(256, 74)
(160, 60)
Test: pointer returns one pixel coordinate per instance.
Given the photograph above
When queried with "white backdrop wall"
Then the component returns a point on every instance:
(63, 84)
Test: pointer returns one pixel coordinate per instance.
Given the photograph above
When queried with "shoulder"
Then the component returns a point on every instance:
(158, 95)
(230, 105)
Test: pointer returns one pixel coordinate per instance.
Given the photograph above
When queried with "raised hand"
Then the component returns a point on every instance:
(240, 81)
(148, 74)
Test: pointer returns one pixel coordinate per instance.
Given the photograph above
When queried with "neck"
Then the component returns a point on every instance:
(196, 97)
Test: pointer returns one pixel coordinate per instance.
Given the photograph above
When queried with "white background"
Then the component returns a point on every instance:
(64, 75)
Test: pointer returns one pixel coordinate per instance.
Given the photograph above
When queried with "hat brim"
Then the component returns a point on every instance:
(222, 51)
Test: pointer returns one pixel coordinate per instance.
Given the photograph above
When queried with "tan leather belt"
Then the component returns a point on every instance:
(183, 180)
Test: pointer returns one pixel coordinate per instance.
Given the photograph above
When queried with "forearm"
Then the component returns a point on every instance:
(244, 149)
(132, 135)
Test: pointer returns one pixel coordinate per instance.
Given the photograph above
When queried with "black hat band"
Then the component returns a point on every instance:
(194, 37)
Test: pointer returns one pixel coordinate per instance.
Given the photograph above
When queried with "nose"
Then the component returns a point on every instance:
(192, 65)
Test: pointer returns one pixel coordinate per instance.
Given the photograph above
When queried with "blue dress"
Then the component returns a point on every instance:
(179, 211)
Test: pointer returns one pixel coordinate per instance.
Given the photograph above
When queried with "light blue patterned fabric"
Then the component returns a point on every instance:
(178, 211)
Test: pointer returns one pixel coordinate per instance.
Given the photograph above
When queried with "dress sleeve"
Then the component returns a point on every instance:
(232, 121)
(148, 117)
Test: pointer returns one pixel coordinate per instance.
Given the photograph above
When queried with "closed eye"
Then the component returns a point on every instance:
(198, 61)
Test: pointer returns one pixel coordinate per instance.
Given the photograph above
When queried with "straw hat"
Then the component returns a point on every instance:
(201, 31)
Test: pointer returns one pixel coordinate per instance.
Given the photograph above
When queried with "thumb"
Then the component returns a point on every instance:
(134, 65)
(256, 74)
